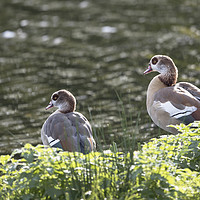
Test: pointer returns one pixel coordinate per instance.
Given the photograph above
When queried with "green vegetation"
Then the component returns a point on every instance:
(164, 168)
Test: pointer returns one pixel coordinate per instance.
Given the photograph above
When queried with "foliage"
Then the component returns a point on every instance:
(164, 168)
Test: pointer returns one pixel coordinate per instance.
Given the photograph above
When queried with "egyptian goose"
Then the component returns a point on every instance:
(169, 102)
(65, 128)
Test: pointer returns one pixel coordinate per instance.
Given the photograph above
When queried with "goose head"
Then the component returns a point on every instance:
(166, 67)
(63, 100)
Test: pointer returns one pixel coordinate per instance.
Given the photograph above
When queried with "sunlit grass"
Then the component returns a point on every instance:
(164, 168)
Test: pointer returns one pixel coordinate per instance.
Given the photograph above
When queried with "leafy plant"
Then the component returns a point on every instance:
(164, 168)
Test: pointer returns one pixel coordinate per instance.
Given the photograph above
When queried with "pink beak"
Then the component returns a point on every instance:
(50, 105)
(149, 69)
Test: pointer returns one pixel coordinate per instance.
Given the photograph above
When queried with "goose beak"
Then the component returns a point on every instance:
(50, 105)
(149, 69)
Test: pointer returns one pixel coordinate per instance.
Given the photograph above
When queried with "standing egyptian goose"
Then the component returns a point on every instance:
(169, 102)
(66, 128)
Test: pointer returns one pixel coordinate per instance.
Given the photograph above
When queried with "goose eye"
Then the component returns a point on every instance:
(154, 60)
(55, 97)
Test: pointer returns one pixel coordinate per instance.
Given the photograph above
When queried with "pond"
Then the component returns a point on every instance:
(98, 50)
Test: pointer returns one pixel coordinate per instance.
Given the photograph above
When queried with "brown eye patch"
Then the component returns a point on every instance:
(154, 60)
(55, 97)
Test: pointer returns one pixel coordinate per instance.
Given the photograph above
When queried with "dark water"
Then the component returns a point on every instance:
(97, 50)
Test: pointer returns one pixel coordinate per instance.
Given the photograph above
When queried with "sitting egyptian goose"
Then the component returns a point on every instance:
(66, 128)
(169, 102)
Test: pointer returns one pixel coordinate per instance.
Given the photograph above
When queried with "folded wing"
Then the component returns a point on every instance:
(70, 131)
(178, 103)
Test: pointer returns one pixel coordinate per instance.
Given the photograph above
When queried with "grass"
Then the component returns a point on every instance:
(164, 168)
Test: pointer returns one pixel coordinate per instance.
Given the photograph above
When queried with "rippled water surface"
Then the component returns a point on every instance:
(96, 49)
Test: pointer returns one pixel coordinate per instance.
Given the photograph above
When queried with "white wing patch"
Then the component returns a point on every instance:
(175, 112)
(52, 141)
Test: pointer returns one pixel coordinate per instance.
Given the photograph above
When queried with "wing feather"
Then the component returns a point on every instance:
(179, 103)
(71, 131)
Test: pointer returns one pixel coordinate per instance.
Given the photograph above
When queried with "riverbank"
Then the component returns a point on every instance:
(164, 168)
